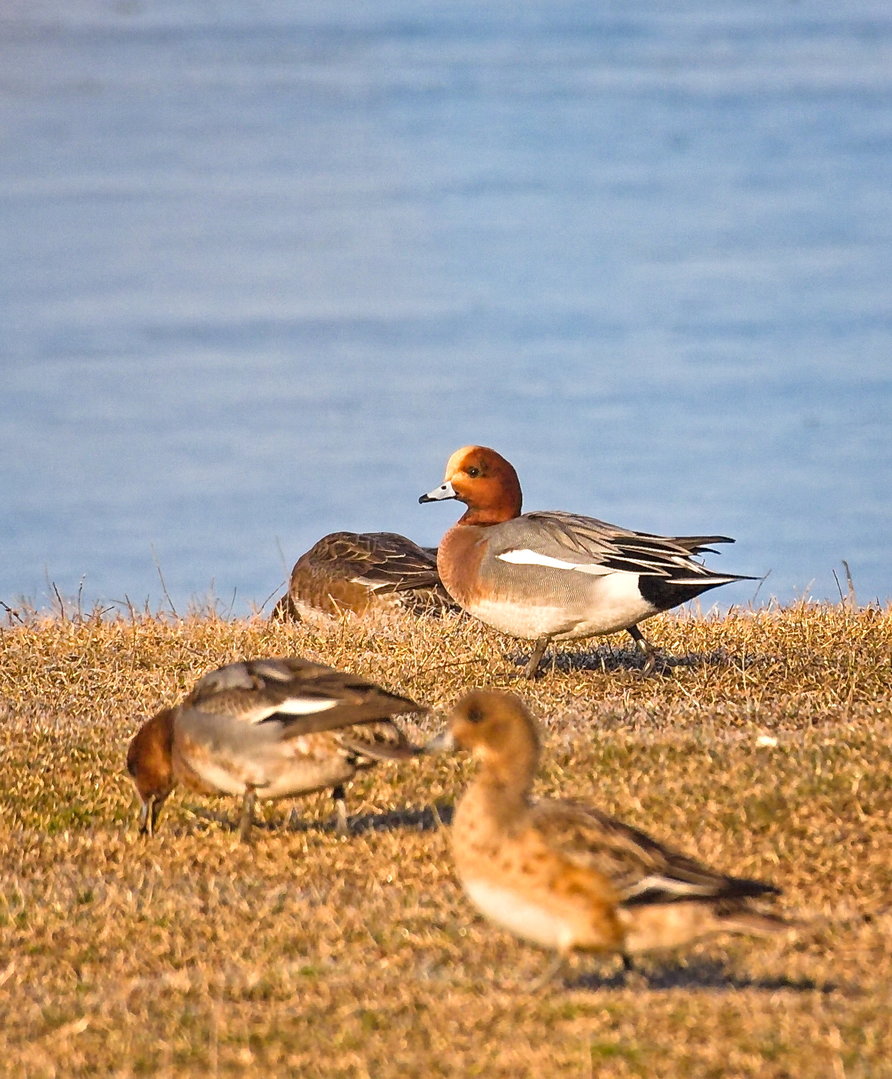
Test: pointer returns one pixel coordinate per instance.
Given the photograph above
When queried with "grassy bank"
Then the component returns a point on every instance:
(764, 747)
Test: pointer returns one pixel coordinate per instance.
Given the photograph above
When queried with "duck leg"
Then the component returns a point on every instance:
(532, 668)
(650, 656)
(554, 969)
(148, 814)
(338, 795)
(632, 976)
(247, 818)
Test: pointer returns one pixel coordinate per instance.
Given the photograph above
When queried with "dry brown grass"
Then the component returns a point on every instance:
(308, 954)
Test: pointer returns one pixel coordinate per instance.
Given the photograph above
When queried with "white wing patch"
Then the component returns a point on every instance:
(668, 884)
(296, 706)
(525, 557)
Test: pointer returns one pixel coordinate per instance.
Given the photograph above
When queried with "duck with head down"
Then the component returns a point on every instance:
(551, 575)
(267, 729)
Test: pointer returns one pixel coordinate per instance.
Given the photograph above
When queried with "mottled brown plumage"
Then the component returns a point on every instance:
(360, 572)
(567, 876)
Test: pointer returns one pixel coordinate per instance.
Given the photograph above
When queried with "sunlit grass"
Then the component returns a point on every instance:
(764, 747)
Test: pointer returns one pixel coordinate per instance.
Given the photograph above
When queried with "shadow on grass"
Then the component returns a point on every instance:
(607, 660)
(697, 974)
(419, 820)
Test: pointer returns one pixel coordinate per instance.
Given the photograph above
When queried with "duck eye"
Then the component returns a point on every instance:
(475, 715)
(473, 472)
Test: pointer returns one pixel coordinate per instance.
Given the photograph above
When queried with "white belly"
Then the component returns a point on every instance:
(218, 777)
(522, 619)
(524, 917)
(276, 776)
(594, 605)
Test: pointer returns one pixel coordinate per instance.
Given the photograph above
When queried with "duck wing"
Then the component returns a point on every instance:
(298, 694)
(377, 740)
(588, 545)
(384, 562)
(641, 869)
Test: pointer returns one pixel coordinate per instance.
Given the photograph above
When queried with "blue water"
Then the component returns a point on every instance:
(265, 265)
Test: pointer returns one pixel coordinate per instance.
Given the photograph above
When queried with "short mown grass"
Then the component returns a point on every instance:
(763, 747)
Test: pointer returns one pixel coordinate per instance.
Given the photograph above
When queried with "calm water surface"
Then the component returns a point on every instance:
(265, 265)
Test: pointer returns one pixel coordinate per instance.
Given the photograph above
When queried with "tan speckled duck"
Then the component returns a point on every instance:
(569, 877)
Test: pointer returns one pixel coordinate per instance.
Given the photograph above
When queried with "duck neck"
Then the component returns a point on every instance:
(493, 499)
(504, 788)
(149, 758)
(486, 515)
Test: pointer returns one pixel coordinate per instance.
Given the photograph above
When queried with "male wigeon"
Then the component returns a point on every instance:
(267, 728)
(554, 575)
(566, 876)
(363, 571)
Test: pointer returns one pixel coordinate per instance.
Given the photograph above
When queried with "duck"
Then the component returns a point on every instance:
(553, 575)
(267, 729)
(359, 572)
(569, 877)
